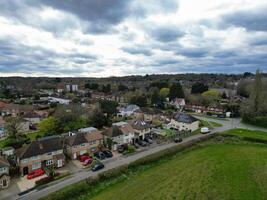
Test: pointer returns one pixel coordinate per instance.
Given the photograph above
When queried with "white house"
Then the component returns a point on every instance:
(141, 128)
(184, 122)
(58, 100)
(128, 110)
(120, 133)
(72, 87)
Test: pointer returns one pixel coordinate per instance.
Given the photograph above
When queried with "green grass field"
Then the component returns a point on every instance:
(244, 133)
(216, 169)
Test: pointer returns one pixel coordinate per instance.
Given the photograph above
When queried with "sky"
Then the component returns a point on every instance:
(101, 38)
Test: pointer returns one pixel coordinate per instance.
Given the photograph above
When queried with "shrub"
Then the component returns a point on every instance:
(44, 180)
(255, 120)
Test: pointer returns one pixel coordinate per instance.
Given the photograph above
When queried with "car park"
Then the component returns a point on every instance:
(35, 173)
(98, 166)
(108, 154)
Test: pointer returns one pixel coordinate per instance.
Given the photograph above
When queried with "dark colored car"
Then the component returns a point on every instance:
(142, 143)
(98, 166)
(100, 155)
(148, 140)
(121, 149)
(108, 153)
(136, 145)
(178, 140)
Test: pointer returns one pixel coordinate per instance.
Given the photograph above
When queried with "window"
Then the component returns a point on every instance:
(36, 166)
(35, 157)
(49, 162)
(24, 161)
(2, 170)
(83, 145)
(93, 142)
(49, 154)
(93, 149)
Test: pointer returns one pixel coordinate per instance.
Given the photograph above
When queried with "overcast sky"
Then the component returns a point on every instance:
(124, 37)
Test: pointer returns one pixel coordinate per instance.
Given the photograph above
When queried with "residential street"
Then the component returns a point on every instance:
(115, 162)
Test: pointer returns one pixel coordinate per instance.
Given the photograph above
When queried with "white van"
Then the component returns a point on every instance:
(204, 130)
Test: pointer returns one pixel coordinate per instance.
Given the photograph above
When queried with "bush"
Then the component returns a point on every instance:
(44, 180)
(255, 120)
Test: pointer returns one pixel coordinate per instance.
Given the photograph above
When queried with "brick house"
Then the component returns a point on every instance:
(80, 143)
(4, 173)
(41, 153)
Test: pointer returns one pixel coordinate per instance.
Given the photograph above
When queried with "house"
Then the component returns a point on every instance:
(179, 103)
(14, 110)
(8, 151)
(32, 117)
(41, 153)
(141, 128)
(24, 126)
(128, 110)
(120, 133)
(2, 128)
(80, 143)
(4, 173)
(147, 114)
(184, 122)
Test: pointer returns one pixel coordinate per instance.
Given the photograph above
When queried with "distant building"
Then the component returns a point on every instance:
(71, 87)
(178, 103)
(128, 110)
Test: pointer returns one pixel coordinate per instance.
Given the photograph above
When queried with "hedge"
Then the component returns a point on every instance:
(255, 120)
(82, 187)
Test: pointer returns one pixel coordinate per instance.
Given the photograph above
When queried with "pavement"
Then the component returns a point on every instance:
(122, 160)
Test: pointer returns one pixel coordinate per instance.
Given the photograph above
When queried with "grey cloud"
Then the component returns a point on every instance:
(252, 20)
(166, 33)
(137, 50)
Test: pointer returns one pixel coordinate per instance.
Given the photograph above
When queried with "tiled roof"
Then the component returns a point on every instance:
(140, 125)
(41, 146)
(183, 117)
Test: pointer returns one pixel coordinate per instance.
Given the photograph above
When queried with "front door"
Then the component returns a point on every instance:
(25, 170)
(4, 182)
(59, 163)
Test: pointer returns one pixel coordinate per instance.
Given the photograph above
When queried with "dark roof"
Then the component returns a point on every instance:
(31, 115)
(113, 131)
(41, 146)
(140, 125)
(149, 111)
(183, 117)
(76, 139)
(4, 162)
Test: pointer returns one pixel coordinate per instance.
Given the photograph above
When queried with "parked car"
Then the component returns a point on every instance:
(178, 140)
(136, 145)
(100, 155)
(204, 130)
(121, 149)
(108, 153)
(35, 173)
(98, 166)
(142, 143)
(88, 161)
(84, 157)
(148, 140)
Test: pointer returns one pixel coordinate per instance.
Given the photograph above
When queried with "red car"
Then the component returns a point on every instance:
(84, 157)
(88, 161)
(35, 173)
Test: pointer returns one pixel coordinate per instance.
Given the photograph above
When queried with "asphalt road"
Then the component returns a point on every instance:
(112, 163)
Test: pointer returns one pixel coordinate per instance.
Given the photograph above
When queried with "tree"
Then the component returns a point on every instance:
(122, 87)
(106, 88)
(176, 91)
(198, 88)
(98, 119)
(47, 126)
(92, 86)
(164, 92)
(224, 95)
(109, 107)
(159, 84)
(139, 100)
(210, 96)
(13, 127)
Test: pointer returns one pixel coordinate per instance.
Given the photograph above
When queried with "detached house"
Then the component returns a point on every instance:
(128, 110)
(40, 154)
(80, 143)
(120, 133)
(32, 117)
(141, 128)
(184, 122)
(178, 103)
(4, 173)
